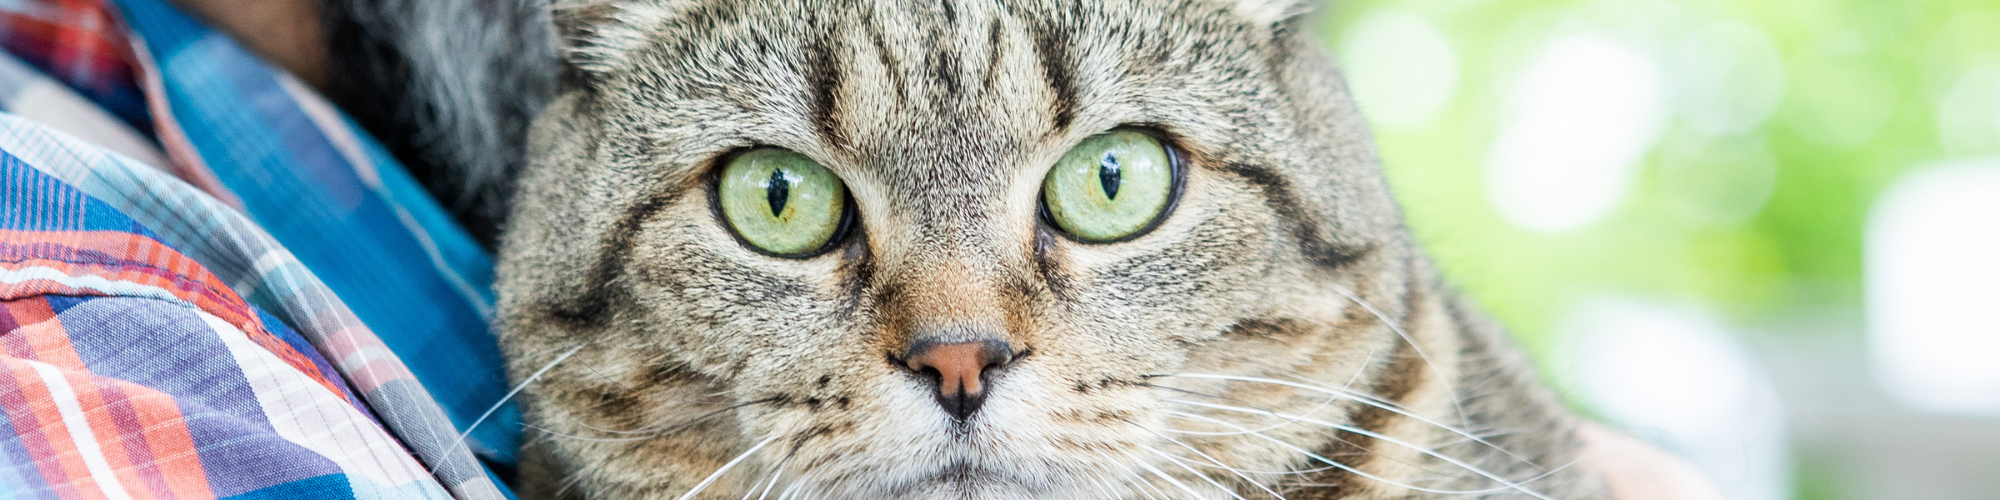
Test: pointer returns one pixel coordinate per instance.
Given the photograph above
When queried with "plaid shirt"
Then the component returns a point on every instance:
(80, 43)
(130, 371)
(350, 258)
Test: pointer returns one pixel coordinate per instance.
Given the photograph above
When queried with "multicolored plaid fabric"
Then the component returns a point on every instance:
(26, 92)
(240, 254)
(128, 370)
(340, 203)
(333, 222)
(80, 44)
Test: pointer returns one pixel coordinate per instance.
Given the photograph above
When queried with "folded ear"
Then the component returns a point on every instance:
(1268, 12)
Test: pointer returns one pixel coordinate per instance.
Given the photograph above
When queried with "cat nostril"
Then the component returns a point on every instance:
(960, 370)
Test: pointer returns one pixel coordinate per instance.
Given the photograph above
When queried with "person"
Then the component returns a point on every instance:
(212, 278)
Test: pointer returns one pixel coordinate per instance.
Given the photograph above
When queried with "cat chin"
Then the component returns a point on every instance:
(966, 482)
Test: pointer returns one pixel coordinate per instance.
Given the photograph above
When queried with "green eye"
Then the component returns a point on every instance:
(1110, 187)
(780, 201)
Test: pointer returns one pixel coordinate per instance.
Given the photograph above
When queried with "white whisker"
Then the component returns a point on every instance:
(648, 432)
(1359, 398)
(1384, 438)
(752, 490)
(1315, 409)
(1217, 463)
(517, 390)
(1204, 477)
(504, 399)
(775, 477)
(1336, 464)
(1448, 388)
(725, 468)
(1104, 485)
(1163, 475)
(554, 433)
(1131, 477)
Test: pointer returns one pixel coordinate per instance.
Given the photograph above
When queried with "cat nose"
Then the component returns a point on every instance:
(960, 370)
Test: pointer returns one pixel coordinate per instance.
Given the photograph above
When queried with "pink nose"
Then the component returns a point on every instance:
(959, 368)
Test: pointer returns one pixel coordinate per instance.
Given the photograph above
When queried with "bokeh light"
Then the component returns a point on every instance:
(1763, 234)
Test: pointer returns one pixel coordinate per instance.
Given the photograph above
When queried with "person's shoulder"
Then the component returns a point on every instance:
(1640, 471)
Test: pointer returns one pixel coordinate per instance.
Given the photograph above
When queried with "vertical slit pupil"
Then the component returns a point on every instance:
(777, 191)
(1107, 175)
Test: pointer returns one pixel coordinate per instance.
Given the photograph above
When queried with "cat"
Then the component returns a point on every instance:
(988, 249)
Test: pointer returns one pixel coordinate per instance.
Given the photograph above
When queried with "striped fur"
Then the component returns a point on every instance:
(1238, 350)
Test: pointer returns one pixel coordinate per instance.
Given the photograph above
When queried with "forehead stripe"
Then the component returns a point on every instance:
(1052, 50)
(823, 78)
(884, 56)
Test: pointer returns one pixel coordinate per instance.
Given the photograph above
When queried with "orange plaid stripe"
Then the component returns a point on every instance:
(132, 258)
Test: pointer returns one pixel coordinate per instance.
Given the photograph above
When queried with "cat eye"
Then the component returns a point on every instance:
(781, 202)
(1111, 187)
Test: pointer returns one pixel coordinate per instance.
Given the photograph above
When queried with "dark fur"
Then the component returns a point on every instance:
(449, 87)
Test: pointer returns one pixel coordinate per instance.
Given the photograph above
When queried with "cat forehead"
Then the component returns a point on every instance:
(927, 88)
(600, 33)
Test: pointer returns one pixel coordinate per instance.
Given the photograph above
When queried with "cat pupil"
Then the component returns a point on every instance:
(777, 191)
(1107, 175)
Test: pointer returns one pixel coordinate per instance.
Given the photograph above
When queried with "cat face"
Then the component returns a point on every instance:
(966, 249)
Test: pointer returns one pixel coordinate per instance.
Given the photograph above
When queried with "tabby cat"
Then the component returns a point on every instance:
(987, 249)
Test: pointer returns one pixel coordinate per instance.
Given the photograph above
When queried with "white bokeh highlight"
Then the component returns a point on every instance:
(1932, 251)
(1576, 122)
(1727, 78)
(1720, 182)
(1676, 377)
(1968, 114)
(1401, 68)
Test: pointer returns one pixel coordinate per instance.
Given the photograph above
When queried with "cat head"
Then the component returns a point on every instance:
(978, 249)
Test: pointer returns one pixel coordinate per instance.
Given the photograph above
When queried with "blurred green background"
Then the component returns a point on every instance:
(1861, 84)
(1730, 149)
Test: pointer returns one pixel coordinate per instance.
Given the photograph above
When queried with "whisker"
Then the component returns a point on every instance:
(569, 481)
(1131, 477)
(1103, 485)
(504, 399)
(1359, 398)
(517, 390)
(621, 384)
(775, 477)
(752, 490)
(552, 432)
(1211, 459)
(1316, 409)
(725, 468)
(714, 413)
(1163, 475)
(1384, 438)
(1218, 465)
(796, 488)
(1204, 477)
(1336, 464)
(654, 433)
(1448, 388)
(641, 430)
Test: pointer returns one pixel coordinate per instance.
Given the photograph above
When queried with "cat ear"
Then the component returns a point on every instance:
(1270, 12)
(597, 35)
